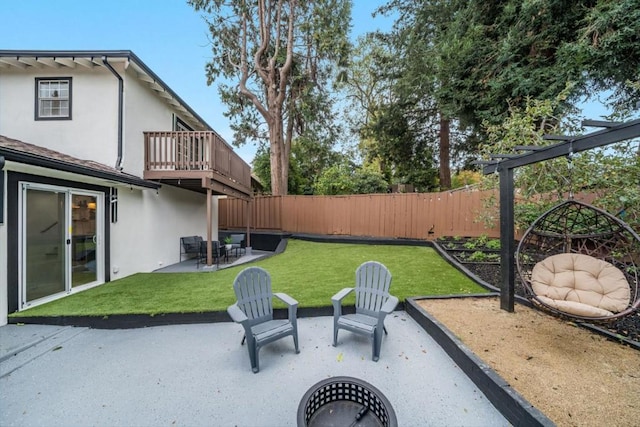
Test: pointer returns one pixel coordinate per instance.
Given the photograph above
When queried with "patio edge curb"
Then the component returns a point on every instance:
(511, 404)
(132, 321)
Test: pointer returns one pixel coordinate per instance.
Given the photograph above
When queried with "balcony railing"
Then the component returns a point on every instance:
(195, 155)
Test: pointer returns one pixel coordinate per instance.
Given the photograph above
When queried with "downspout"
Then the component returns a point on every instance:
(120, 111)
(1, 189)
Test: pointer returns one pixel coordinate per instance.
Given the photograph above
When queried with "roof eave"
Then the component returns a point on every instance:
(127, 54)
(49, 163)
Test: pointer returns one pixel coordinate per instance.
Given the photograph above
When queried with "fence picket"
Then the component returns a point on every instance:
(397, 215)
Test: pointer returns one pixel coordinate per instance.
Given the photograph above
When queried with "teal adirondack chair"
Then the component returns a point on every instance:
(254, 311)
(373, 303)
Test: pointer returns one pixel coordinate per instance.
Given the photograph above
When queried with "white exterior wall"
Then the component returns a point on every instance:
(92, 132)
(147, 234)
(143, 112)
(157, 220)
(150, 224)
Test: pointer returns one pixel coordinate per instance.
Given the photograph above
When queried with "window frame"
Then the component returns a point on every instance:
(37, 112)
(180, 125)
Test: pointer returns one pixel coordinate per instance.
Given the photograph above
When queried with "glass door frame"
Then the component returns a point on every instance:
(69, 192)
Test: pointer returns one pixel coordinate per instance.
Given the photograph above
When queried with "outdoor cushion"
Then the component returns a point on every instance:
(581, 285)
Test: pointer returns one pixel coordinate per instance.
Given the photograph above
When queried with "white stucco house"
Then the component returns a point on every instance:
(102, 169)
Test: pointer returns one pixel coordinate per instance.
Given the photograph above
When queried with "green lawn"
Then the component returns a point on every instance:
(309, 272)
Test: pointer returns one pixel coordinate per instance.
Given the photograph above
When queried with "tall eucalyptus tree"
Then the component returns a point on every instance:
(275, 56)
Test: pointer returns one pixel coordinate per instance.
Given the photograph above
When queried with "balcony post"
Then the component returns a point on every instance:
(209, 230)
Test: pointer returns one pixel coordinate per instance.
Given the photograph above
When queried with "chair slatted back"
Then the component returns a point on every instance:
(253, 292)
(191, 244)
(372, 287)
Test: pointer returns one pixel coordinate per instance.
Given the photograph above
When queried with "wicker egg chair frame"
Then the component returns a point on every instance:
(577, 227)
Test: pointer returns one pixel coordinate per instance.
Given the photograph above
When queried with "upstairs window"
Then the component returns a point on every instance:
(53, 98)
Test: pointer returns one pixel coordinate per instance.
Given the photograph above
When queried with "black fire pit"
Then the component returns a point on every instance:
(345, 402)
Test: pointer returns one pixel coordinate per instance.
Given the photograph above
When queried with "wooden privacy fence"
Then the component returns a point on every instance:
(397, 215)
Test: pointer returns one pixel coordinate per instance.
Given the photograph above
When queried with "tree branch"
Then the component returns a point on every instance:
(286, 68)
(242, 85)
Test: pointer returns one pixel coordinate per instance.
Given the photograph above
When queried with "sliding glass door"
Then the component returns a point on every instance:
(61, 235)
(84, 238)
(44, 237)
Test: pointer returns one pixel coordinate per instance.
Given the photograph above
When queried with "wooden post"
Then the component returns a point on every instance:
(209, 230)
(248, 222)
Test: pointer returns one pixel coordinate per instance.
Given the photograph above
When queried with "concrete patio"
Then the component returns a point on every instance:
(192, 375)
(192, 265)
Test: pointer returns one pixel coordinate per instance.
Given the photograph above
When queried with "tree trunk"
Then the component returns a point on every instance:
(445, 170)
(276, 141)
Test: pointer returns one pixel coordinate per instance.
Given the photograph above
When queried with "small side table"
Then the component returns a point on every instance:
(224, 253)
(345, 401)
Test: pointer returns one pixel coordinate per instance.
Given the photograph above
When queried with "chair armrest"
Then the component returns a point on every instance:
(236, 314)
(291, 303)
(340, 295)
(387, 308)
(389, 305)
(285, 298)
(336, 300)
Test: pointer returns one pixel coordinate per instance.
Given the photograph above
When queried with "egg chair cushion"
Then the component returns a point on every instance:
(581, 285)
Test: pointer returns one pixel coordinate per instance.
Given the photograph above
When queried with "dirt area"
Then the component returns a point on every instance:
(574, 376)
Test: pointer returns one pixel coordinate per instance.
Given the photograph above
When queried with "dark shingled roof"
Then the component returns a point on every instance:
(22, 152)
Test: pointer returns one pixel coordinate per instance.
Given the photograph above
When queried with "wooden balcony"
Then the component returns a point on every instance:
(196, 161)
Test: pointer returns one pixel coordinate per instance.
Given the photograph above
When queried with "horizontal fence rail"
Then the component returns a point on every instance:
(397, 215)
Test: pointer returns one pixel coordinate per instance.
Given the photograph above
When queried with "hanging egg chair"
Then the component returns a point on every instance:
(581, 262)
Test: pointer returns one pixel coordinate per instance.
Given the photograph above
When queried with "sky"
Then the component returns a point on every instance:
(167, 35)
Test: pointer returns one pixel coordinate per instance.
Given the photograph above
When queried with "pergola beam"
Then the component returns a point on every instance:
(528, 148)
(609, 135)
(599, 123)
(592, 140)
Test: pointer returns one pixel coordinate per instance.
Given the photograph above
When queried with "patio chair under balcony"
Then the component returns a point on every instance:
(238, 244)
(190, 246)
(373, 303)
(216, 253)
(254, 311)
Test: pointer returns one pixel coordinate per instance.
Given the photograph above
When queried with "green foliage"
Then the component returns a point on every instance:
(470, 244)
(308, 161)
(344, 178)
(613, 175)
(404, 155)
(607, 47)
(474, 61)
(366, 86)
(311, 158)
(261, 167)
(482, 239)
(493, 244)
(335, 180)
(369, 181)
(478, 256)
(610, 174)
(465, 178)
